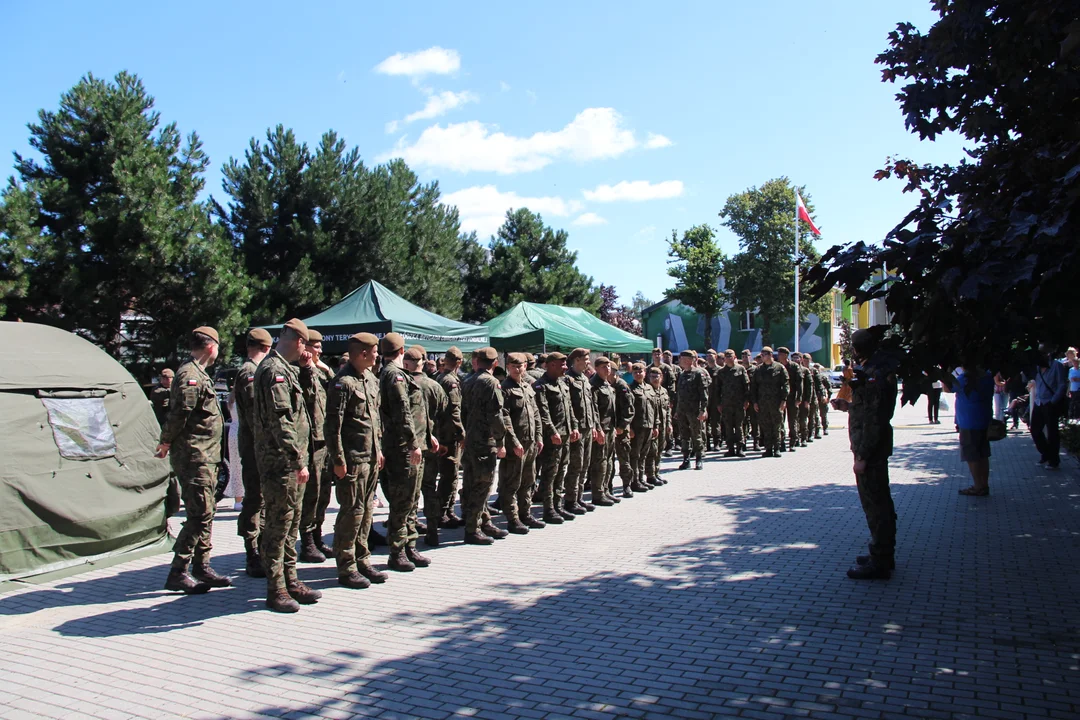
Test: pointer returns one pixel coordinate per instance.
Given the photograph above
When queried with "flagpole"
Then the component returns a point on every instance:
(796, 270)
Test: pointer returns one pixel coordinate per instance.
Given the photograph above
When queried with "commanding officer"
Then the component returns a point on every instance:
(731, 389)
(624, 416)
(517, 473)
(159, 397)
(643, 429)
(791, 407)
(663, 416)
(353, 444)
(282, 435)
(870, 431)
(560, 426)
(603, 453)
(450, 381)
(691, 407)
(437, 406)
(581, 402)
(247, 524)
(405, 437)
(486, 424)
(769, 391)
(314, 378)
(712, 432)
(191, 437)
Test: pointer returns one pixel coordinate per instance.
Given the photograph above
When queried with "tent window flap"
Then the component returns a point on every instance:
(81, 427)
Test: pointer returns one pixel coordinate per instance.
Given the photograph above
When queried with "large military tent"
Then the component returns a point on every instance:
(539, 327)
(373, 308)
(78, 482)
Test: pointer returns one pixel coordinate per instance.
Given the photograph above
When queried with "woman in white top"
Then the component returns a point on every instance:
(235, 488)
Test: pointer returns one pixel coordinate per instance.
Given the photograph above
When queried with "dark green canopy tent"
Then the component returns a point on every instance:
(373, 308)
(78, 483)
(537, 327)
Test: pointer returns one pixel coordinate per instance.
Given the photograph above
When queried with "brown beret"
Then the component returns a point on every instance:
(710, 351)
(167, 372)
(454, 354)
(298, 327)
(780, 349)
(766, 349)
(796, 356)
(488, 353)
(517, 359)
(657, 350)
(208, 332)
(601, 361)
(314, 336)
(688, 353)
(729, 353)
(578, 352)
(421, 348)
(415, 353)
(652, 370)
(365, 340)
(390, 343)
(638, 366)
(541, 358)
(554, 356)
(258, 336)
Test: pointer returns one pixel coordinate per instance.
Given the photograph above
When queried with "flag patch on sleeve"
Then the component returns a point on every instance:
(279, 378)
(192, 382)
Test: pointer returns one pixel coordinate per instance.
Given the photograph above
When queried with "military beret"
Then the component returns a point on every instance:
(517, 359)
(298, 327)
(656, 350)
(795, 356)
(208, 332)
(488, 353)
(601, 361)
(766, 349)
(314, 336)
(454, 354)
(653, 370)
(710, 351)
(555, 356)
(638, 366)
(729, 353)
(578, 352)
(779, 350)
(542, 358)
(167, 372)
(414, 353)
(421, 348)
(688, 353)
(258, 336)
(390, 343)
(364, 340)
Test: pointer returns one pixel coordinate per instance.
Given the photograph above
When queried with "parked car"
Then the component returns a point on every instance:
(836, 376)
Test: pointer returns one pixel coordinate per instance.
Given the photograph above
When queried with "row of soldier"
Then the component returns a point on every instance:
(552, 430)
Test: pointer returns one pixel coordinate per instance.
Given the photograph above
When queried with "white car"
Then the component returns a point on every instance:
(836, 376)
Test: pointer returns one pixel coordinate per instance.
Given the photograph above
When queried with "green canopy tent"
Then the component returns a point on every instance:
(79, 483)
(536, 327)
(373, 308)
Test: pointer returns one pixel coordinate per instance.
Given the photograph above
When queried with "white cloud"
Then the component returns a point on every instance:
(654, 141)
(595, 133)
(504, 86)
(433, 61)
(440, 104)
(483, 208)
(647, 230)
(588, 219)
(635, 191)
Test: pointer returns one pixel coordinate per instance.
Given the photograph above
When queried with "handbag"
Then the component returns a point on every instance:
(997, 430)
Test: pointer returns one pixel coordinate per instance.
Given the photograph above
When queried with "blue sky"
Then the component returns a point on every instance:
(618, 121)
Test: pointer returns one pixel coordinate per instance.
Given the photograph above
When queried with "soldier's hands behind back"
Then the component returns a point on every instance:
(340, 471)
(302, 476)
(161, 450)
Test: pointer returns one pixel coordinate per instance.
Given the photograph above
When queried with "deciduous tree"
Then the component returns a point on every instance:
(696, 265)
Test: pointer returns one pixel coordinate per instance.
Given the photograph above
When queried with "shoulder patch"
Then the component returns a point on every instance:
(399, 379)
(192, 382)
(250, 378)
(338, 385)
(279, 378)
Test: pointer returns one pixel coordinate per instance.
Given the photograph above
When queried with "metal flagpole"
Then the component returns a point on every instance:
(796, 270)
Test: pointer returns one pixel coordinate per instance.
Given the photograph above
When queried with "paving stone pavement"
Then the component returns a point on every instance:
(721, 594)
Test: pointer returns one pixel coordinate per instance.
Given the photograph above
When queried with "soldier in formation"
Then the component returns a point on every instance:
(517, 471)
(249, 522)
(691, 408)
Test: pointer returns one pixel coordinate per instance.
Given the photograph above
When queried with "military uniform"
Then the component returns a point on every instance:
(770, 388)
(603, 454)
(446, 433)
(405, 429)
(580, 452)
(750, 426)
(517, 475)
(250, 518)
(313, 380)
(645, 420)
(824, 393)
(624, 416)
(714, 424)
(664, 420)
(159, 400)
(557, 418)
(807, 405)
(486, 424)
(454, 430)
(691, 401)
(791, 411)
(732, 393)
(669, 375)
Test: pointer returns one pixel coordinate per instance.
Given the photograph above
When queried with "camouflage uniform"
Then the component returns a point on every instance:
(751, 428)
(603, 455)
(517, 475)
(770, 388)
(282, 436)
(871, 434)
(193, 430)
(453, 428)
(353, 438)
(405, 429)
(664, 420)
(446, 433)
(486, 425)
(807, 404)
(250, 518)
(557, 418)
(824, 393)
(692, 399)
(794, 397)
(668, 376)
(731, 392)
(580, 453)
(313, 380)
(645, 420)
(715, 421)
(159, 400)
(624, 416)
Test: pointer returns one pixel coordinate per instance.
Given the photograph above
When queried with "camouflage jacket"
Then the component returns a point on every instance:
(244, 392)
(486, 421)
(645, 415)
(732, 386)
(353, 424)
(873, 400)
(824, 389)
(624, 404)
(603, 395)
(794, 381)
(404, 411)
(770, 385)
(452, 431)
(553, 402)
(193, 426)
(582, 402)
(663, 407)
(282, 426)
(436, 405)
(809, 393)
(159, 400)
(313, 381)
(692, 392)
(519, 399)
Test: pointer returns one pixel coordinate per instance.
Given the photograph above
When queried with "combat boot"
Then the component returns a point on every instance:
(685, 463)
(280, 602)
(377, 577)
(301, 593)
(375, 538)
(398, 562)
(589, 507)
(308, 552)
(628, 491)
(517, 527)
(202, 572)
(565, 514)
(872, 570)
(638, 486)
(477, 538)
(490, 530)
(431, 538)
(353, 581)
(888, 562)
(451, 522)
(416, 558)
(532, 523)
(253, 565)
(817, 435)
(739, 452)
(611, 498)
(602, 501)
(698, 464)
(421, 527)
(325, 549)
(180, 580)
(552, 518)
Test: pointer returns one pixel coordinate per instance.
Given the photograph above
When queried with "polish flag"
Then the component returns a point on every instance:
(805, 216)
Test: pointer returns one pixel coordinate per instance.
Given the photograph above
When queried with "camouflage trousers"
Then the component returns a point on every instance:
(713, 424)
(666, 437)
(751, 428)
(517, 480)
(823, 410)
(877, 503)
(553, 460)
(804, 422)
(626, 467)
(429, 489)
(282, 496)
(792, 414)
(448, 479)
(640, 447)
(690, 432)
(356, 509)
(603, 457)
(317, 492)
(734, 419)
(250, 518)
(652, 460)
(198, 481)
(478, 473)
(770, 418)
(577, 470)
(401, 484)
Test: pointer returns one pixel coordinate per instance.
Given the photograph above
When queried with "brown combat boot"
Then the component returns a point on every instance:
(253, 565)
(477, 538)
(490, 530)
(399, 562)
(353, 581)
(202, 572)
(308, 552)
(302, 594)
(180, 580)
(320, 545)
(375, 576)
(416, 558)
(517, 527)
(279, 601)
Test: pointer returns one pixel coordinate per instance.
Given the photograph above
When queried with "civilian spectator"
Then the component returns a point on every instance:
(933, 402)
(1016, 387)
(1074, 389)
(1051, 384)
(235, 488)
(999, 397)
(974, 390)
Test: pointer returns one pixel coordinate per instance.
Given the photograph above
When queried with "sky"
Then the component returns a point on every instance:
(617, 121)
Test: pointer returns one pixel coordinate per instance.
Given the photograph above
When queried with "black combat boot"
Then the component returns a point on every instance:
(698, 464)
(180, 580)
(817, 435)
(740, 452)
(451, 522)
(874, 569)
(532, 523)
(685, 462)
(553, 518)
(888, 562)
(308, 552)
(202, 572)
(301, 593)
(627, 490)
(325, 549)
(253, 565)
(416, 558)
(490, 530)
(398, 562)
(431, 537)
(516, 527)
(421, 527)
(279, 601)
(477, 538)
(377, 577)
(353, 581)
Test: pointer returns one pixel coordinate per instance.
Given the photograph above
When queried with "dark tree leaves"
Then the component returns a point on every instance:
(696, 265)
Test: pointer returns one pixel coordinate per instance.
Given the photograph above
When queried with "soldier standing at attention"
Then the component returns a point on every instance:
(437, 406)
(282, 435)
(712, 432)
(769, 392)
(405, 437)
(624, 416)
(663, 416)
(603, 398)
(247, 524)
(191, 437)
(557, 418)
(691, 407)
(794, 398)
(313, 381)
(662, 361)
(809, 412)
(353, 444)
(750, 427)
(450, 381)
(159, 397)
(732, 391)
(643, 429)
(824, 393)
(517, 473)
(870, 430)
(581, 402)
(536, 369)
(486, 425)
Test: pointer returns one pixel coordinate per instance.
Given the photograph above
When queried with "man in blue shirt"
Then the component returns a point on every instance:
(1051, 383)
